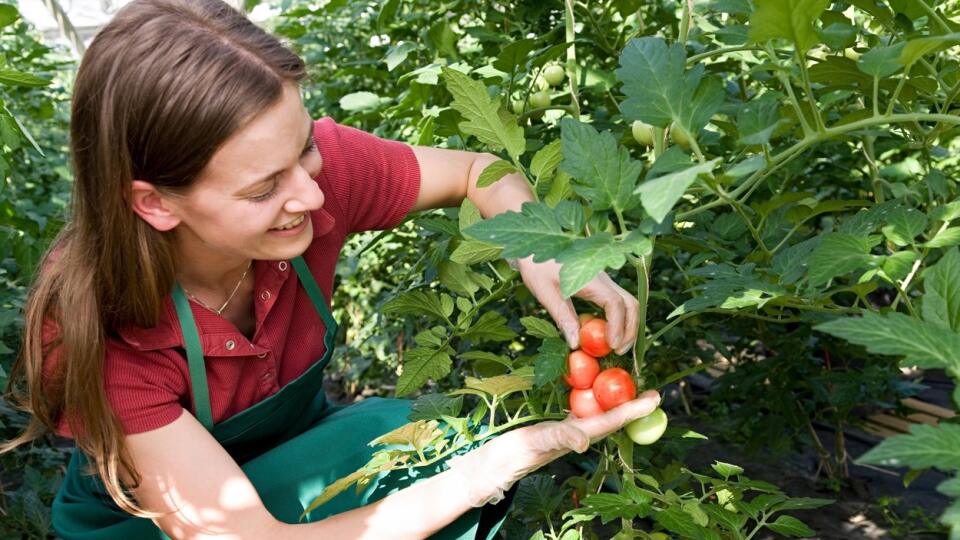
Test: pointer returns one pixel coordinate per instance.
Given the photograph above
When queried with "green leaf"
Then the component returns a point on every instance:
(398, 53)
(483, 118)
(468, 214)
(945, 238)
(535, 230)
(426, 303)
(662, 193)
(881, 62)
(899, 265)
(491, 326)
(695, 510)
(514, 55)
(904, 224)
(924, 447)
(837, 255)
(435, 407)
(471, 252)
(12, 77)
(923, 344)
(388, 12)
(494, 172)
(661, 90)
(417, 434)
(611, 506)
(546, 160)
(728, 288)
(792, 20)
(604, 173)
(950, 488)
(359, 101)
(946, 212)
(790, 526)
(801, 503)
(457, 278)
(540, 328)
(8, 15)
(758, 119)
(726, 470)
(420, 365)
(586, 258)
(500, 385)
(678, 522)
(941, 284)
(915, 49)
(551, 361)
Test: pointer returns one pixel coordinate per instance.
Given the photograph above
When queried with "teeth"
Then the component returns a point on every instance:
(292, 224)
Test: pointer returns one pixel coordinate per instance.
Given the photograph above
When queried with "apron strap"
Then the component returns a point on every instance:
(198, 370)
(315, 294)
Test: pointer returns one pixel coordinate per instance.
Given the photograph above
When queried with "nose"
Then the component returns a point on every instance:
(307, 196)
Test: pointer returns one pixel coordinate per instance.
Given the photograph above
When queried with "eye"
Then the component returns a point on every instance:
(311, 148)
(265, 196)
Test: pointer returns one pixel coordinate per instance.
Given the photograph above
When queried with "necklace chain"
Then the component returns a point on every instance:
(229, 298)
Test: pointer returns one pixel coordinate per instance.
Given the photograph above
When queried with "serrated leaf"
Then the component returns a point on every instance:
(792, 20)
(418, 303)
(678, 522)
(500, 385)
(921, 343)
(468, 214)
(945, 238)
(695, 510)
(946, 212)
(881, 62)
(435, 407)
(457, 278)
(611, 506)
(604, 173)
(551, 361)
(837, 255)
(419, 434)
(534, 230)
(420, 365)
(540, 328)
(494, 172)
(728, 288)
(790, 526)
(398, 53)
(491, 326)
(585, 259)
(483, 117)
(915, 49)
(487, 356)
(661, 90)
(903, 225)
(899, 265)
(471, 252)
(941, 299)
(661, 194)
(758, 119)
(924, 447)
(546, 160)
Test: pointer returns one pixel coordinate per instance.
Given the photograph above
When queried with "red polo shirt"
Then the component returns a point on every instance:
(368, 183)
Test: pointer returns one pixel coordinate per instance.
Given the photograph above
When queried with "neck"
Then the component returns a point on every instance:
(202, 269)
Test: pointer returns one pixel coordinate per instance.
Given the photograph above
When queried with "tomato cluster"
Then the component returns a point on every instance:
(594, 391)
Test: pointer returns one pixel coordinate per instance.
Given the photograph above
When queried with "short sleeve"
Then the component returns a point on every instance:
(143, 387)
(374, 181)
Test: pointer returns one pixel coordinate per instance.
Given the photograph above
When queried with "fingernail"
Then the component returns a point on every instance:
(571, 334)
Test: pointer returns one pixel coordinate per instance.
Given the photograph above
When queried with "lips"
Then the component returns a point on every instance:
(292, 224)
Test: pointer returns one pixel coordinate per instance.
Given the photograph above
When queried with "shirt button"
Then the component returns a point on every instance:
(266, 376)
(265, 295)
(262, 355)
(230, 345)
(282, 266)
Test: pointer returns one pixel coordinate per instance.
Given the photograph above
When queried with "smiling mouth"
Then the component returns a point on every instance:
(292, 224)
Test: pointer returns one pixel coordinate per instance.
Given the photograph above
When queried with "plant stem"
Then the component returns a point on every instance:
(571, 35)
(788, 86)
(717, 52)
(642, 265)
(805, 75)
(685, 22)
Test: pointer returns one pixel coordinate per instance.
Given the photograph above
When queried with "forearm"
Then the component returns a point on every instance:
(414, 512)
(508, 193)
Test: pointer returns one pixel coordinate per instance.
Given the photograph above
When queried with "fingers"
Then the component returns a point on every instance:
(630, 325)
(603, 292)
(598, 427)
(561, 310)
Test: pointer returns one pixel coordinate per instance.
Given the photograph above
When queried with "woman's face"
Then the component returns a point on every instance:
(252, 201)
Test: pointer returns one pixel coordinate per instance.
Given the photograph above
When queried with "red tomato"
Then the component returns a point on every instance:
(583, 404)
(612, 387)
(582, 369)
(584, 317)
(593, 338)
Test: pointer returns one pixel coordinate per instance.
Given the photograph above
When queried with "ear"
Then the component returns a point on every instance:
(152, 206)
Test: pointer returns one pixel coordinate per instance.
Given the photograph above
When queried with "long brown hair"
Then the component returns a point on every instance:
(159, 90)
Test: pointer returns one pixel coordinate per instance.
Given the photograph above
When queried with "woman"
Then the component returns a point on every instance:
(200, 411)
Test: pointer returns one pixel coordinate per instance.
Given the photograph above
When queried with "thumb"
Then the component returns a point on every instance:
(561, 310)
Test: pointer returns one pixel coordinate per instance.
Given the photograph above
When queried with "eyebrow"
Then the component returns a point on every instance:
(306, 145)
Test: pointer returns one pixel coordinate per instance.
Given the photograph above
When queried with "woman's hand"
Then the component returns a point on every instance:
(621, 309)
(492, 469)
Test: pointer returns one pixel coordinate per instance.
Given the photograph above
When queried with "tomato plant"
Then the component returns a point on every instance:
(642, 132)
(582, 369)
(554, 75)
(613, 387)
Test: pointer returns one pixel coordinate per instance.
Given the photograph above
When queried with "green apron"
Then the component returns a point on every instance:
(291, 446)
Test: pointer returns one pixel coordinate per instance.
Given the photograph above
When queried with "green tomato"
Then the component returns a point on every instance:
(540, 100)
(680, 136)
(554, 75)
(851, 53)
(517, 107)
(649, 429)
(642, 132)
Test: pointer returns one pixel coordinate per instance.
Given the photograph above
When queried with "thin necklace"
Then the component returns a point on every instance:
(229, 298)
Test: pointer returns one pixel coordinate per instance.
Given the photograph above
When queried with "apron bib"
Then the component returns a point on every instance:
(291, 446)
